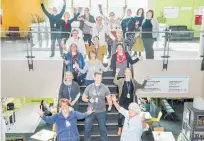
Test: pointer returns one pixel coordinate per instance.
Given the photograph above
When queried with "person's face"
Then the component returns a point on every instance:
(86, 11)
(64, 108)
(149, 15)
(112, 15)
(128, 73)
(54, 10)
(95, 40)
(120, 49)
(140, 12)
(132, 113)
(73, 48)
(68, 77)
(99, 20)
(129, 13)
(119, 34)
(66, 15)
(98, 78)
(75, 35)
(92, 55)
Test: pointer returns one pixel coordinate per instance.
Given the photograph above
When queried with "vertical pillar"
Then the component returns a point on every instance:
(201, 44)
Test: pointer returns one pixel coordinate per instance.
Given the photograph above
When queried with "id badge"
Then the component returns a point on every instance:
(126, 28)
(128, 95)
(96, 100)
(73, 66)
(68, 123)
(55, 25)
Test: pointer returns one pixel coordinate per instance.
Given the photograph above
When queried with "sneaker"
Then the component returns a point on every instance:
(52, 55)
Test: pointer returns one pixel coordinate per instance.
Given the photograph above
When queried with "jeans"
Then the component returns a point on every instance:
(88, 82)
(101, 118)
(55, 36)
(148, 45)
(109, 49)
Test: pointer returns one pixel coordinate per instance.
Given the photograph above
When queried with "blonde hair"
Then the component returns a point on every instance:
(128, 69)
(64, 101)
(70, 50)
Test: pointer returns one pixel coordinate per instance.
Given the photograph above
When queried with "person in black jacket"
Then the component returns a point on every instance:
(121, 60)
(70, 90)
(66, 25)
(55, 20)
(86, 30)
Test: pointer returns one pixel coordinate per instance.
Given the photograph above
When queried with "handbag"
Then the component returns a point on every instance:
(138, 46)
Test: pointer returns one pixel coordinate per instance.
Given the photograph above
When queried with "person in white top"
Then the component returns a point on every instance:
(76, 39)
(99, 29)
(134, 125)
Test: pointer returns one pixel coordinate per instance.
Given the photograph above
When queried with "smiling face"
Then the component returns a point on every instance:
(99, 20)
(98, 78)
(54, 10)
(75, 34)
(120, 49)
(73, 48)
(129, 13)
(112, 15)
(66, 15)
(86, 11)
(92, 55)
(132, 113)
(68, 76)
(64, 107)
(95, 40)
(149, 15)
(128, 73)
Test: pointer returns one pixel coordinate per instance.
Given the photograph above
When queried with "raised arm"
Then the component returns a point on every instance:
(76, 16)
(123, 15)
(141, 86)
(62, 11)
(50, 119)
(130, 59)
(117, 106)
(44, 10)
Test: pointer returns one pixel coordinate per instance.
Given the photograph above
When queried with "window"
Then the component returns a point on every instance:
(94, 7)
(134, 5)
(116, 7)
(81, 3)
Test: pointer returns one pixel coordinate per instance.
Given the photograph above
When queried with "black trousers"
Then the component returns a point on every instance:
(87, 37)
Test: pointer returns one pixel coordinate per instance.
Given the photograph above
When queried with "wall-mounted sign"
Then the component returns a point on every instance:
(167, 84)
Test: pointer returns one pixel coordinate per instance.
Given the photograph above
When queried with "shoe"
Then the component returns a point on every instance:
(109, 56)
(119, 131)
(52, 55)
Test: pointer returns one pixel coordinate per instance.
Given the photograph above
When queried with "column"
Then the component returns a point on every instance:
(201, 44)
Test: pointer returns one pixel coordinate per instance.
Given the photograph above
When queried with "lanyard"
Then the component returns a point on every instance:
(69, 91)
(128, 86)
(97, 90)
(127, 23)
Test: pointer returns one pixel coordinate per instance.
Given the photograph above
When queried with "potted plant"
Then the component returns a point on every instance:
(36, 20)
(161, 18)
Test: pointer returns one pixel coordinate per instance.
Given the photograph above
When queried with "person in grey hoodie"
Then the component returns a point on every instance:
(66, 121)
(151, 26)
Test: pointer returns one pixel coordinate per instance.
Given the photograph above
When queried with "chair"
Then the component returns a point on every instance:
(160, 129)
(14, 34)
(153, 120)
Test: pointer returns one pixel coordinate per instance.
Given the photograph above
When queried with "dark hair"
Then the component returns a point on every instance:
(86, 9)
(99, 17)
(119, 44)
(129, 10)
(96, 37)
(142, 15)
(92, 51)
(112, 13)
(97, 73)
(151, 12)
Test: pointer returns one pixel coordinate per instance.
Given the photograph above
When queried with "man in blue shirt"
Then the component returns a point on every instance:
(55, 25)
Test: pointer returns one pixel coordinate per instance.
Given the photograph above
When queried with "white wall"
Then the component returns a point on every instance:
(189, 68)
(44, 81)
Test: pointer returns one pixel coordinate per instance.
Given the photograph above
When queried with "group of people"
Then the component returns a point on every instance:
(96, 95)
(98, 38)
(136, 33)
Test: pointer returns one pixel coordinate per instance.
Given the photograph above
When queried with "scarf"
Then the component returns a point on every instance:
(120, 59)
(66, 24)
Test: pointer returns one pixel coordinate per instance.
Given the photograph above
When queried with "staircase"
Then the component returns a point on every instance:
(112, 116)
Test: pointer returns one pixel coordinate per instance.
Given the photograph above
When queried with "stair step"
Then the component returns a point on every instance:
(109, 122)
(97, 138)
(83, 108)
(108, 73)
(108, 80)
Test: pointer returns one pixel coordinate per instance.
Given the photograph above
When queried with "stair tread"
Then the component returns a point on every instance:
(106, 85)
(108, 122)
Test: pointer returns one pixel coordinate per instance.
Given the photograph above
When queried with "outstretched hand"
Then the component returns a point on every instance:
(40, 112)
